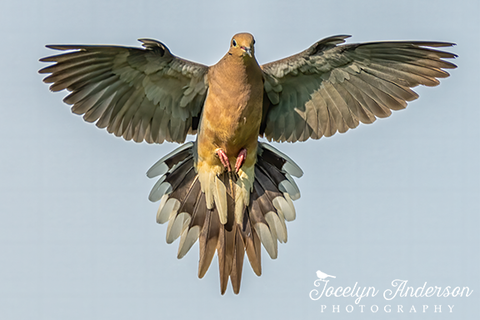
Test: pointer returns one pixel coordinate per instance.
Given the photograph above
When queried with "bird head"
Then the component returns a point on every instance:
(242, 45)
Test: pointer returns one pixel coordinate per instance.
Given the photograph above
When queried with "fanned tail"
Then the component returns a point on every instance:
(184, 206)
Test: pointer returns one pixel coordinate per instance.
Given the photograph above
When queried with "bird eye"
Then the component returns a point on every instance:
(234, 43)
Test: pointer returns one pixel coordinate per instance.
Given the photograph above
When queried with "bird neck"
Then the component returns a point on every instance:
(235, 69)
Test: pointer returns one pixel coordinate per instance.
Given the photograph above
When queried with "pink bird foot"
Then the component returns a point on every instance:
(242, 155)
(224, 159)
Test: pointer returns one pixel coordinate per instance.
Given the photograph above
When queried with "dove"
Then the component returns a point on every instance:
(322, 275)
(226, 189)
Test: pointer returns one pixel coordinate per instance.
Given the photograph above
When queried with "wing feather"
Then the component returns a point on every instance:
(144, 94)
(335, 87)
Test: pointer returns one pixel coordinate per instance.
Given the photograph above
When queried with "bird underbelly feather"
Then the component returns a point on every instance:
(230, 126)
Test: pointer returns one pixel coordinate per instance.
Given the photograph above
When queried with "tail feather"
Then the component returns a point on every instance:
(236, 274)
(189, 193)
(253, 247)
(181, 178)
(173, 178)
(279, 159)
(208, 240)
(226, 252)
(255, 212)
(282, 179)
(226, 247)
(170, 160)
(262, 221)
(271, 203)
(199, 213)
(261, 175)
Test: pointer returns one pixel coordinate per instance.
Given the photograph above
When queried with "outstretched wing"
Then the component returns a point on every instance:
(328, 88)
(138, 93)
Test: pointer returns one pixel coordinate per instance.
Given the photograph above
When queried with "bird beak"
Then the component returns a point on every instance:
(247, 50)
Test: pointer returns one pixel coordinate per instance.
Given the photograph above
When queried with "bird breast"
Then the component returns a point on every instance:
(233, 108)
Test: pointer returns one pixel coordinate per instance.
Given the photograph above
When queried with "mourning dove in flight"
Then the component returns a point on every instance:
(227, 189)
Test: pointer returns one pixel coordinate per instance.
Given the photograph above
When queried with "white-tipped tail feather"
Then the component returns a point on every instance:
(228, 213)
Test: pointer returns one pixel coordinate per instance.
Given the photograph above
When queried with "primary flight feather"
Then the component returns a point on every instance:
(227, 190)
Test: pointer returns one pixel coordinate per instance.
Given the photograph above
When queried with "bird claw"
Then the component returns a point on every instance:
(242, 155)
(224, 159)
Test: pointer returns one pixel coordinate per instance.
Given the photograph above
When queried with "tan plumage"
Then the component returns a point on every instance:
(227, 190)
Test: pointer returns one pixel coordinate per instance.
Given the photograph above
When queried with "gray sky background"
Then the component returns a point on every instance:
(398, 199)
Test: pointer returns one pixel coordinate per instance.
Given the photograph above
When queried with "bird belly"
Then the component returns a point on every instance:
(231, 126)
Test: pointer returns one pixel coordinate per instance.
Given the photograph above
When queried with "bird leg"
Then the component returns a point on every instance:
(224, 159)
(242, 155)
